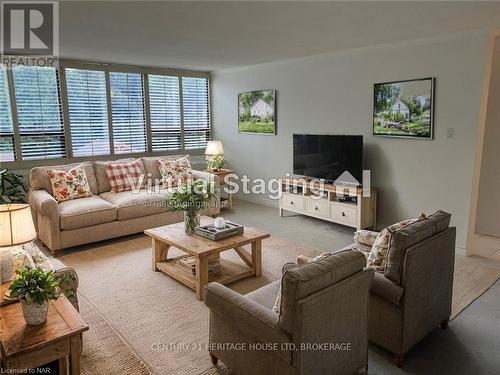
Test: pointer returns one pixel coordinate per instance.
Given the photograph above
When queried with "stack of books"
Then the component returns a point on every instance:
(190, 263)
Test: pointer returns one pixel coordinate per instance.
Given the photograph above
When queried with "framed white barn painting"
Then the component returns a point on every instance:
(404, 108)
(257, 112)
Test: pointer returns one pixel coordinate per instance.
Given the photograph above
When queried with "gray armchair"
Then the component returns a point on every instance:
(413, 296)
(321, 328)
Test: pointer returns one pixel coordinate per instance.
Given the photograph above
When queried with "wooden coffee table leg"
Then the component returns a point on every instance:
(63, 366)
(74, 357)
(201, 276)
(160, 252)
(257, 258)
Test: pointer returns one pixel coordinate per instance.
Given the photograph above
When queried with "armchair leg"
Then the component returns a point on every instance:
(444, 323)
(398, 360)
(214, 359)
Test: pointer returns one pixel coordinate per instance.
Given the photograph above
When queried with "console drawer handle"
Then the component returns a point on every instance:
(316, 208)
(291, 202)
(343, 213)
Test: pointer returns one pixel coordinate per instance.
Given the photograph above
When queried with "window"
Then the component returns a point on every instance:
(165, 112)
(127, 103)
(39, 114)
(88, 112)
(195, 94)
(6, 129)
(83, 110)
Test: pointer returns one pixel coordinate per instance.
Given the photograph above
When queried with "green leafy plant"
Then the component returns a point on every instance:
(35, 286)
(12, 187)
(192, 195)
(215, 162)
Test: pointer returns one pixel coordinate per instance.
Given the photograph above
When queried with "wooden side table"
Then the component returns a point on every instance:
(226, 198)
(25, 347)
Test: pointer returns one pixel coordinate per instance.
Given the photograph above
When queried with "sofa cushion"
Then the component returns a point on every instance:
(302, 281)
(39, 178)
(72, 184)
(411, 234)
(151, 168)
(131, 205)
(174, 172)
(85, 212)
(125, 176)
(101, 176)
(266, 296)
(386, 289)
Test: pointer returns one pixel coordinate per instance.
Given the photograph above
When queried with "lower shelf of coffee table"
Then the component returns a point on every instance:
(230, 271)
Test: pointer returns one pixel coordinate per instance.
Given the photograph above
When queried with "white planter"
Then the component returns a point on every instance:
(35, 314)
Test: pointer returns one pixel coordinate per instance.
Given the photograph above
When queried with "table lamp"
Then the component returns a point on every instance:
(16, 228)
(214, 155)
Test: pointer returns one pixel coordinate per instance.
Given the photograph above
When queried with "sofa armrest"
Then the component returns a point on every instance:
(44, 203)
(288, 266)
(247, 315)
(205, 176)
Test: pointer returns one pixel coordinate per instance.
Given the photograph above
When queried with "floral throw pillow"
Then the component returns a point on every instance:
(377, 259)
(174, 172)
(365, 237)
(72, 184)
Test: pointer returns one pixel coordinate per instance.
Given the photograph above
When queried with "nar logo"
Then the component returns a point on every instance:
(30, 29)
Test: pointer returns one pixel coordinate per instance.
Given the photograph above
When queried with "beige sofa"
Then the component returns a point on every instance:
(104, 215)
(322, 327)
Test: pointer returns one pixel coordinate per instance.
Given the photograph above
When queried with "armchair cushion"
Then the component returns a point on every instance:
(409, 235)
(266, 296)
(300, 282)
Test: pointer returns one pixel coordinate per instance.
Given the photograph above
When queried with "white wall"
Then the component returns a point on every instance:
(488, 207)
(333, 94)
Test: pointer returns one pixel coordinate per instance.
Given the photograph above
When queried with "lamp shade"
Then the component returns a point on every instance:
(16, 224)
(214, 148)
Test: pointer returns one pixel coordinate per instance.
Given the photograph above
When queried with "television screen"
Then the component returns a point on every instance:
(329, 157)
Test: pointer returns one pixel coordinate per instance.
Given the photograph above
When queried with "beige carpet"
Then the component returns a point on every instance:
(162, 321)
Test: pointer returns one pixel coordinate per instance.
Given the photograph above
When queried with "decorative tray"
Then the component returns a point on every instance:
(212, 233)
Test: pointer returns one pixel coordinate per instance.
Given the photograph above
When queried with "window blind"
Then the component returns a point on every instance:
(127, 104)
(6, 128)
(88, 112)
(196, 111)
(164, 106)
(39, 112)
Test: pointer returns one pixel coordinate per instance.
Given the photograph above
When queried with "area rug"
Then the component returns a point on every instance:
(162, 321)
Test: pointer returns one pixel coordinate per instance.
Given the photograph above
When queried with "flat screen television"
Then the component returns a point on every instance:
(328, 157)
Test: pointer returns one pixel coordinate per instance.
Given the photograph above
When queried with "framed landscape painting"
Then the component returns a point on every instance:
(404, 108)
(257, 112)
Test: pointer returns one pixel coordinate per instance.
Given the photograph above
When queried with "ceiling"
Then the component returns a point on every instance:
(217, 35)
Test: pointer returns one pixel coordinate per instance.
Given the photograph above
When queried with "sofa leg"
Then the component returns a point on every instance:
(444, 323)
(398, 360)
(214, 359)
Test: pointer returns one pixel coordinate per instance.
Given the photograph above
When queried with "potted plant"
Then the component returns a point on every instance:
(12, 187)
(190, 197)
(35, 288)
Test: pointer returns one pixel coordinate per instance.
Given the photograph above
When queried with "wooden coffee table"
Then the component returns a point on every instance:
(26, 347)
(202, 248)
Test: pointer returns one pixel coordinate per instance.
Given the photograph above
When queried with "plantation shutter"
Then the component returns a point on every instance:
(39, 112)
(127, 103)
(6, 128)
(196, 111)
(88, 112)
(164, 107)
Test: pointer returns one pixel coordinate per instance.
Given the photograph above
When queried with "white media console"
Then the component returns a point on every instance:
(347, 205)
